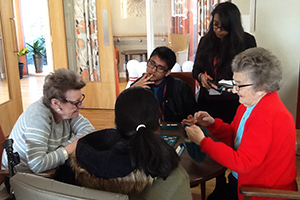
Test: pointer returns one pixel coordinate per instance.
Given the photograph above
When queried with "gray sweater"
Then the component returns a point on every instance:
(37, 138)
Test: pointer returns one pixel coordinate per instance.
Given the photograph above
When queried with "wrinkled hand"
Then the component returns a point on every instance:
(144, 81)
(72, 146)
(202, 118)
(190, 120)
(195, 134)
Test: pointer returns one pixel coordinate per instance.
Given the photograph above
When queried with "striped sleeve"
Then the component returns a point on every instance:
(39, 157)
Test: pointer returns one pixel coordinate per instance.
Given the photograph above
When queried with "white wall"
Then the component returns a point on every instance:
(244, 7)
(136, 23)
(278, 29)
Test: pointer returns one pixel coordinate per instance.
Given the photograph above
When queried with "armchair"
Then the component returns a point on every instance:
(249, 192)
(31, 186)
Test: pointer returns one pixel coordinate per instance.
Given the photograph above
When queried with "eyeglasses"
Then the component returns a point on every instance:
(237, 87)
(216, 26)
(76, 103)
(151, 64)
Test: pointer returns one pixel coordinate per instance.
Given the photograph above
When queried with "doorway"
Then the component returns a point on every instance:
(32, 24)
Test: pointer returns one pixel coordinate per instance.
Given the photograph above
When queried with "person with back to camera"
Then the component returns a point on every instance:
(175, 97)
(259, 144)
(131, 158)
(47, 132)
(215, 52)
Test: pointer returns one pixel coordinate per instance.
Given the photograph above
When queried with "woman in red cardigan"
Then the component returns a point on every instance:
(259, 145)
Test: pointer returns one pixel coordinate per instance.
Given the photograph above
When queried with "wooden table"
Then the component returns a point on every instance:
(199, 172)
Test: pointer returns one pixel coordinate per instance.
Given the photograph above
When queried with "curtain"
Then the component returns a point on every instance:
(205, 9)
(184, 21)
(193, 17)
(87, 56)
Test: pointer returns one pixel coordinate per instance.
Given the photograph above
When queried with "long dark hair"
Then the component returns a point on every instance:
(232, 43)
(136, 106)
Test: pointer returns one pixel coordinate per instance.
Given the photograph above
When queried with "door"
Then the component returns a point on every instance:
(11, 98)
(99, 94)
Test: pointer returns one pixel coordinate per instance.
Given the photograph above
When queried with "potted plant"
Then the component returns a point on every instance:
(37, 50)
(22, 52)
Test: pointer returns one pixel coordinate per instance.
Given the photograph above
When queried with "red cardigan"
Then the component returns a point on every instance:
(266, 157)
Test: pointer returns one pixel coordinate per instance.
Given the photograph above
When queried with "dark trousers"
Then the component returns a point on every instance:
(223, 190)
(233, 187)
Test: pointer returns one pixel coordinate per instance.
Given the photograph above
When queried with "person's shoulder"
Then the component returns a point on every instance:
(250, 40)
(175, 80)
(37, 108)
(248, 35)
(180, 171)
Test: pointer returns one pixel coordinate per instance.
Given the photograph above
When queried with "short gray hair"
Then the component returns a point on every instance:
(261, 67)
(58, 83)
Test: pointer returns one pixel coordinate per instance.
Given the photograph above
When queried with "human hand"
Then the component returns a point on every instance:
(195, 134)
(190, 120)
(202, 118)
(72, 146)
(204, 79)
(144, 81)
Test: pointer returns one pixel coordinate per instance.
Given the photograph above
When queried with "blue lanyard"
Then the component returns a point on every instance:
(240, 132)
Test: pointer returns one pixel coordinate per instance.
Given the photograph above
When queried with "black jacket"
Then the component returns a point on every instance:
(218, 106)
(179, 100)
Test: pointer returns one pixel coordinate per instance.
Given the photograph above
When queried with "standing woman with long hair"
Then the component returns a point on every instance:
(216, 50)
(225, 39)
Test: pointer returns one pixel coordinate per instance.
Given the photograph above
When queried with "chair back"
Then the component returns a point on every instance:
(179, 43)
(188, 78)
(32, 186)
(187, 66)
(176, 68)
(132, 65)
(141, 68)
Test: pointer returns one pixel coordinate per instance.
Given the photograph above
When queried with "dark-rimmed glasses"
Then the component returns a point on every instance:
(237, 87)
(216, 26)
(151, 64)
(76, 103)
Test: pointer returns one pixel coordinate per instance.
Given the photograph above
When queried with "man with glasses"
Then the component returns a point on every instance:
(175, 97)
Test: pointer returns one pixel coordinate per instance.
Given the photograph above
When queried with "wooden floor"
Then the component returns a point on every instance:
(32, 90)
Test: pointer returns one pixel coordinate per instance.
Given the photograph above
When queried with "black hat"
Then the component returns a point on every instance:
(97, 153)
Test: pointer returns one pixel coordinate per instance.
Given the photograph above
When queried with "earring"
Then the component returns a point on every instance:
(58, 109)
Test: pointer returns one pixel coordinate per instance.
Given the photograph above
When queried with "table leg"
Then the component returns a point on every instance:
(126, 61)
(141, 57)
(203, 191)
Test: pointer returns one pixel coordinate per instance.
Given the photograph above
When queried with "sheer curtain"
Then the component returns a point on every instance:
(87, 56)
(205, 9)
(192, 17)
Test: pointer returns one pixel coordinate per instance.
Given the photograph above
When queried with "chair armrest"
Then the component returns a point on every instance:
(4, 172)
(248, 192)
(47, 174)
